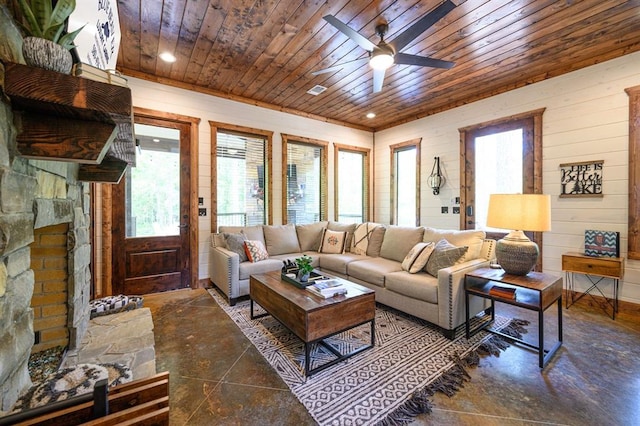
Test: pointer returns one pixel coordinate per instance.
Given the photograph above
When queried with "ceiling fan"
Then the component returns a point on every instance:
(383, 55)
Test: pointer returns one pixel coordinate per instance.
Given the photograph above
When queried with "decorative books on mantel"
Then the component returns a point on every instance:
(106, 76)
(504, 292)
(327, 288)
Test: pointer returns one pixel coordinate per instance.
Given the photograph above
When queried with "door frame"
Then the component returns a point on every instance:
(532, 184)
(103, 225)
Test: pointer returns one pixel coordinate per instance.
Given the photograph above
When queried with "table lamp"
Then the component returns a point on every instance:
(516, 253)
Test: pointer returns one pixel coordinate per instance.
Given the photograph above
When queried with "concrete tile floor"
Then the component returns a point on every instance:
(219, 378)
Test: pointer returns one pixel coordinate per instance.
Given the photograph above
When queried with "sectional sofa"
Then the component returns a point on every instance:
(417, 270)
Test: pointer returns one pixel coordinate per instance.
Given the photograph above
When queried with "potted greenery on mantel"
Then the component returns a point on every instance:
(47, 43)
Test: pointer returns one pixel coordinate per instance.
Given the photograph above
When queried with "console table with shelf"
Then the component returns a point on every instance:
(535, 291)
(597, 270)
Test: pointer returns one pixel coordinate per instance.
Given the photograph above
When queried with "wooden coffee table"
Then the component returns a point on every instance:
(311, 317)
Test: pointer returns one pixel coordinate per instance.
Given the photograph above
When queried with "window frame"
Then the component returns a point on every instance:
(366, 152)
(324, 160)
(633, 231)
(394, 149)
(216, 126)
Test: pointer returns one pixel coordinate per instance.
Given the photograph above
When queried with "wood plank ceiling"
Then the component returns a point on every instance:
(263, 51)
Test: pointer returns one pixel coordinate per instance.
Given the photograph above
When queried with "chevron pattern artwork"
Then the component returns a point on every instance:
(601, 243)
(409, 355)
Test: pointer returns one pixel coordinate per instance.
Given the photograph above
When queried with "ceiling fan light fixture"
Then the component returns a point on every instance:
(381, 60)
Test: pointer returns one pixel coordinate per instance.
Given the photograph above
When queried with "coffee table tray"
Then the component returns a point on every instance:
(315, 275)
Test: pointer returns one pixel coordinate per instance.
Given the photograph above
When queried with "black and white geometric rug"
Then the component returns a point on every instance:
(388, 384)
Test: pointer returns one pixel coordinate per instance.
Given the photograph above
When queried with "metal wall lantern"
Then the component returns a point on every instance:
(436, 180)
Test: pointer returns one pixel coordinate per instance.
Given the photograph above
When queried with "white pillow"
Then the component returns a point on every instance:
(333, 241)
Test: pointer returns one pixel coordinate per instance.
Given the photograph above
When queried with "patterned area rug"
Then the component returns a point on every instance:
(388, 384)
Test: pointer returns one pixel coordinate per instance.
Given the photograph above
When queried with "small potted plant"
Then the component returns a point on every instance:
(304, 268)
(47, 44)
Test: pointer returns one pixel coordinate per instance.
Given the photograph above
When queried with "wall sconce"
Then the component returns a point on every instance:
(436, 180)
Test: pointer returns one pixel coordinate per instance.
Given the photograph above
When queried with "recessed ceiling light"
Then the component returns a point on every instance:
(167, 57)
(371, 115)
(156, 140)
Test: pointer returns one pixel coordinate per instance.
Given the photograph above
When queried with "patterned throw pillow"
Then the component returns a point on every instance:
(235, 243)
(361, 237)
(417, 257)
(255, 251)
(332, 241)
(444, 255)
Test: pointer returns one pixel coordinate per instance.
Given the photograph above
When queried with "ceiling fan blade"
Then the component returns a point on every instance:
(337, 67)
(421, 25)
(351, 33)
(423, 61)
(378, 78)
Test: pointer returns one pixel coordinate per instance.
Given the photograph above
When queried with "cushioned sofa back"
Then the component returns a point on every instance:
(251, 232)
(309, 235)
(398, 240)
(471, 238)
(281, 239)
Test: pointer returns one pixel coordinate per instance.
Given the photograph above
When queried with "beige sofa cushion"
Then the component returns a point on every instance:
(309, 235)
(373, 270)
(251, 232)
(419, 286)
(375, 243)
(471, 238)
(398, 240)
(281, 239)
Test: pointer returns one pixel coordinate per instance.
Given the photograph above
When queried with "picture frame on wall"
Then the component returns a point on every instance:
(601, 243)
(582, 179)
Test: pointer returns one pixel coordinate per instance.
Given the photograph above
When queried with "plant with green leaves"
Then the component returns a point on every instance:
(304, 264)
(43, 20)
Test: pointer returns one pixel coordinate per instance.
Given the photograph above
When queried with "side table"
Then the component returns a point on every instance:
(596, 269)
(535, 291)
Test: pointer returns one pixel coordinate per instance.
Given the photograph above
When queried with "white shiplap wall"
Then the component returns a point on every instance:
(586, 118)
(170, 99)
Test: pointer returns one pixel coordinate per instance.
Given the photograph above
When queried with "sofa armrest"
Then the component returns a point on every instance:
(451, 310)
(224, 270)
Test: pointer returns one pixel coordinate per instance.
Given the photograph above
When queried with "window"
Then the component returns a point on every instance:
(304, 179)
(351, 183)
(240, 176)
(405, 183)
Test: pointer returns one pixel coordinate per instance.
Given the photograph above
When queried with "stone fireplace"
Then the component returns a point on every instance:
(36, 194)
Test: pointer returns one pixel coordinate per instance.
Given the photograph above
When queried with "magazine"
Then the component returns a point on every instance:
(327, 288)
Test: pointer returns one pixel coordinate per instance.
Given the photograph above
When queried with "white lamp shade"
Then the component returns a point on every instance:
(524, 212)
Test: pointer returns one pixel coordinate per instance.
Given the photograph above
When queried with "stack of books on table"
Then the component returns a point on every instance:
(327, 288)
(504, 292)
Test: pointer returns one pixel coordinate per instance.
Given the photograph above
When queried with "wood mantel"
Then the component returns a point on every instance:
(67, 118)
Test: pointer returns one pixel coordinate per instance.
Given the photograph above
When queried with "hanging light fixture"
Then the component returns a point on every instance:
(436, 180)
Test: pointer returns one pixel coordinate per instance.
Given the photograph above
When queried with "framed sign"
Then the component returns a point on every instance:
(581, 179)
(99, 41)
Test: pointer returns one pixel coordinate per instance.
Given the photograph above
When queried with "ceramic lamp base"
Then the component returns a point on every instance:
(516, 253)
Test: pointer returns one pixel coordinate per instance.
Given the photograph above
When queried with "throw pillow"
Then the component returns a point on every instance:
(255, 251)
(235, 243)
(361, 237)
(413, 254)
(444, 255)
(309, 235)
(343, 227)
(332, 241)
(421, 261)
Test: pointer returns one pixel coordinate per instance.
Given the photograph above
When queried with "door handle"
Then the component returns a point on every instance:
(469, 210)
(183, 225)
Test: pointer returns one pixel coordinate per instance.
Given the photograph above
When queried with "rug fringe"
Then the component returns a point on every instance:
(453, 379)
